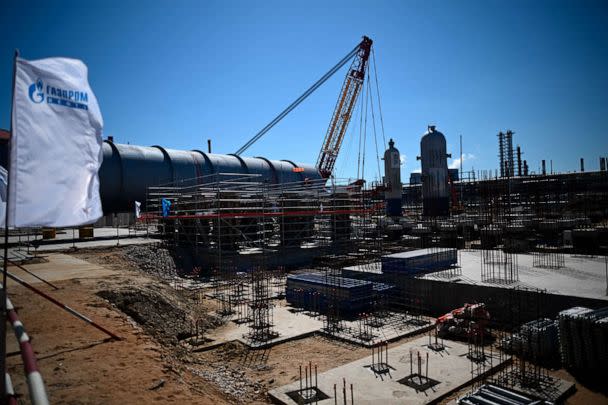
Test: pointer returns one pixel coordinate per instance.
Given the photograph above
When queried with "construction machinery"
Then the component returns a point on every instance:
(342, 113)
(462, 323)
(351, 88)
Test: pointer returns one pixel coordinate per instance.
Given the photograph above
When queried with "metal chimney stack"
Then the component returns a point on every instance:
(518, 161)
(582, 165)
(544, 168)
(509, 157)
(501, 153)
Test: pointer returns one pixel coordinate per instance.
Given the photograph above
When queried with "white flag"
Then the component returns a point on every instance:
(137, 209)
(56, 145)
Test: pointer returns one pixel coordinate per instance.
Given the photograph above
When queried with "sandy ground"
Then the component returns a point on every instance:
(80, 366)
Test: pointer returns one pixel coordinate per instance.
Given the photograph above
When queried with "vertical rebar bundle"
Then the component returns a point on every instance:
(345, 395)
(309, 392)
(498, 260)
(333, 321)
(437, 345)
(261, 308)
(523, 337)
(380, 363)
(548, 257)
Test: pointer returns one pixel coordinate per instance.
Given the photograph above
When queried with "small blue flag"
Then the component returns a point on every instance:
(166, 207)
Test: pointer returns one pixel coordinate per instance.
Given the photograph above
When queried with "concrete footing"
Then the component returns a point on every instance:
(406, 382)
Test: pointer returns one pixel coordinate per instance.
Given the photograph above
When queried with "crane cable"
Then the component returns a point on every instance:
(364, 135)
(371, 100)
(363, 126)
(378, 93)
(347, 152)
(360, 132)
(293, 105)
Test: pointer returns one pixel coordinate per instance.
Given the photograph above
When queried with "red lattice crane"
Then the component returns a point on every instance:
(344, 108)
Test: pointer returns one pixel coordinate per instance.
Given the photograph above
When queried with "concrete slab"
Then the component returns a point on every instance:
(20, 255)
(69, 234)
(59, 267)
(389, 328)
(582, 276)
(288, 325)
(450, 369)
(94, 244)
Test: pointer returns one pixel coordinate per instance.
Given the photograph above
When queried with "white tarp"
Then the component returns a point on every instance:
(56, 145)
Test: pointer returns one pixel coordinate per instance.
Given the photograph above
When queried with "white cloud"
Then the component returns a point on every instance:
(456, 162)
(403, 160)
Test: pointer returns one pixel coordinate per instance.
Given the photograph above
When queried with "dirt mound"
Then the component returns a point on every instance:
(232, 350)
(161, 313)
(151, 259)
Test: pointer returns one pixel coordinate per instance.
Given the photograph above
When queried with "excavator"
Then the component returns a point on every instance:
(351, 88)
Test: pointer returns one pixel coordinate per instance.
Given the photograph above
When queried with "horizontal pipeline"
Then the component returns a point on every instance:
(264, 214)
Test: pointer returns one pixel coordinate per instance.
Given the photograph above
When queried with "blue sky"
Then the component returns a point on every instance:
(177, 73)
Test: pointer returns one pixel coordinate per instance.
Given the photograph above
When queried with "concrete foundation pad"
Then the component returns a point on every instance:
(99, 243)
(390, 328)
(549, 388)
(288, 325)
(291, 323)
(581, 276)
(448, 371)
(59, 267)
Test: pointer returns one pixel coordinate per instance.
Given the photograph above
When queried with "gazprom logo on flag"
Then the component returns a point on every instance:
(67, 98)
(36, 93)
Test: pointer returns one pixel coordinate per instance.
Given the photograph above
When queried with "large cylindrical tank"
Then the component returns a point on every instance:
(128, 170)
(392, 180)
(435, 195)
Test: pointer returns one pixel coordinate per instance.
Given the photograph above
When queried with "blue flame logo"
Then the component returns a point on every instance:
(36, 93)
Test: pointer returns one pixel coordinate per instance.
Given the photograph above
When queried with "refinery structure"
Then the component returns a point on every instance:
(453, 287)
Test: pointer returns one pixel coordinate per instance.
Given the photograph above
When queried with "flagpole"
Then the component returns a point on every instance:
(3, 293)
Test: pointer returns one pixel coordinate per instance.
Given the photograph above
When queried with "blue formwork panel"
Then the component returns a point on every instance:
(312, 291)
(368, 272)
(583, 334)
(419, 261)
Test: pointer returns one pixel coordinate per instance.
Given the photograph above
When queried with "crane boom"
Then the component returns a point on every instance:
(353, 82)
(297, 102)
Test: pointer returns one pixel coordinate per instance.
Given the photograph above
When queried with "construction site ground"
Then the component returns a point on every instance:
(151, 364)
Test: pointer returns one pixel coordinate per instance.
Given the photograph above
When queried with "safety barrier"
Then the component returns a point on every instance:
(34, 378)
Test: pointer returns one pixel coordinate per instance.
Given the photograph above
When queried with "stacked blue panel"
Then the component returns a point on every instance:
(419, 261)
(354, 296)
(583, 334)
